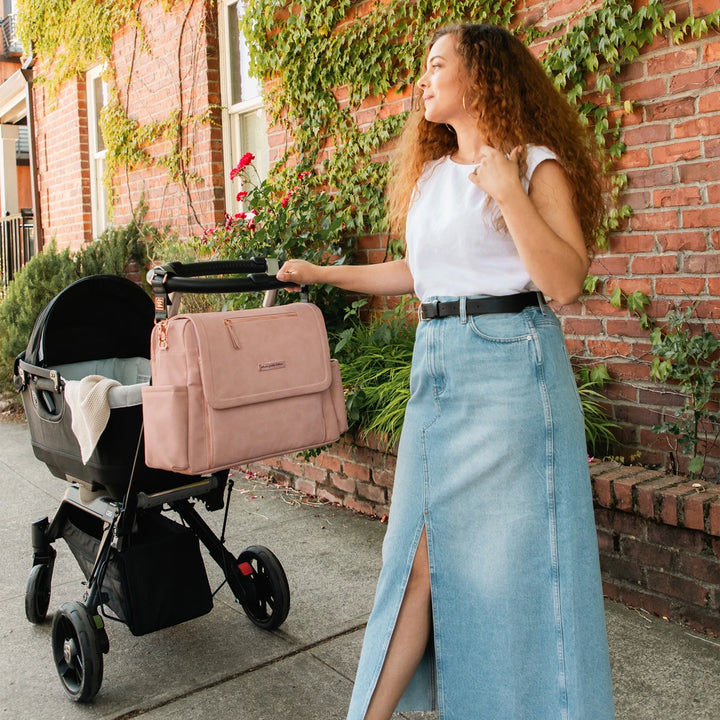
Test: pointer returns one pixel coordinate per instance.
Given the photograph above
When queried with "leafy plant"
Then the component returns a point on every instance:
(691, 358)
(599, 427)
(44, 276)
(375, 360)
(299, 221)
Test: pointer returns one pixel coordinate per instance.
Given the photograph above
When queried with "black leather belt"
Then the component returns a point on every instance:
(480, 306)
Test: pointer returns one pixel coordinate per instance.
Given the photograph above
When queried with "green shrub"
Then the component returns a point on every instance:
(31, 289)
(599, 436)
(375, 360)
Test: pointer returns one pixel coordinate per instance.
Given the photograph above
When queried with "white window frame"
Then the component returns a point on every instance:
(234, 114)
(98, 192)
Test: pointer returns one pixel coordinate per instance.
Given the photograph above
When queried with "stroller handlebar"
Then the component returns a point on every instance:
(193, 277)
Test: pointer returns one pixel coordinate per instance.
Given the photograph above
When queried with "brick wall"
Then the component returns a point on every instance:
(63, 164)
(668, 247)
(173, 57)
(659, 539)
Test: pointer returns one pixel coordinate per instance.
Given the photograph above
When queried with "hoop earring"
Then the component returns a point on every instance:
(463, 102)
(451, 129)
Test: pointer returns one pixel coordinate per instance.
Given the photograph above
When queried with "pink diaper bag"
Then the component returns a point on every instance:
(233, 387)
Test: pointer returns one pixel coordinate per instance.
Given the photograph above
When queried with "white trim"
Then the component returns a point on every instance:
(98, 194)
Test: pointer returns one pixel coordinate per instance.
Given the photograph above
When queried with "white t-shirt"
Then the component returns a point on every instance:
(453, 247)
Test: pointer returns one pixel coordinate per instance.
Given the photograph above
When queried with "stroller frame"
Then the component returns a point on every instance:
(255, 577)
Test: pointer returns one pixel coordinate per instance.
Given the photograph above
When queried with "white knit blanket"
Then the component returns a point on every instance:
(90, 410)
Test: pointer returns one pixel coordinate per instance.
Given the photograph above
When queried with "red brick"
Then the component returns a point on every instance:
(646, 134)
(329, 496)
(693, 80)
(610, 265)
(342, 482)
(623, 487)
(329, 462)
(680, 538)
(701, 217)
(359, 506)
(677, 197)
(656, 265)
(709, 102)
(696, 506)
(698, 618)
(359, 472)
(631, 243)
(383, 478)
(655, 220)
(621, 569)
(677, 587)
(714, 519)
(669, 109)
(633, 597)
(700, 568)
(663, 154)
(646, 494)
(648, 554)
(371, 492)
(671, 62)
(625, 328)
(702, 263)
(679, 286)
(645, 90)
(669, 500)
(305, 486)
(698, 172)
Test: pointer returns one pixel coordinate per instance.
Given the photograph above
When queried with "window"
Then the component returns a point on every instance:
(244, 125)
(97, 95)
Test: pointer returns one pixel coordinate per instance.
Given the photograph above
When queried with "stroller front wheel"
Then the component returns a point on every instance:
(271, 604)
(37, 593)
(78, 644)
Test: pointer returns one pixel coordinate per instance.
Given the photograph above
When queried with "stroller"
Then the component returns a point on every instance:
(141, 565)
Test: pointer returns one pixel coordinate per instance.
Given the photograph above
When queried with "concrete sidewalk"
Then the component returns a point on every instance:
(221, 666)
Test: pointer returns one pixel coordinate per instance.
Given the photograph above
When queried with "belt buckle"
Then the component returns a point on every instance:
(435, 305)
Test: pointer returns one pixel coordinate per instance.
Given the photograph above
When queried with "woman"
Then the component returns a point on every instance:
(489, 603)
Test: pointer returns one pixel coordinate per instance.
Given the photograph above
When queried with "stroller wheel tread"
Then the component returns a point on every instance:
(271, 604)
(37, 593)
(78, 644)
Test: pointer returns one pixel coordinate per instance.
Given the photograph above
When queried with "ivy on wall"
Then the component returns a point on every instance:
(326, 60)
(70, 37)
(319, 47)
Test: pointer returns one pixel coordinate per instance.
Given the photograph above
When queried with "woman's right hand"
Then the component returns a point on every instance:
(299, 272)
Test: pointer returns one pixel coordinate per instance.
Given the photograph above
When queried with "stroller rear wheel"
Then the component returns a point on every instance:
(78, 644)
(271, 604)
(37, 593)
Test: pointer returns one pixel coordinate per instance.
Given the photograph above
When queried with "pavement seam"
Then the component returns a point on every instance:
(260, 666)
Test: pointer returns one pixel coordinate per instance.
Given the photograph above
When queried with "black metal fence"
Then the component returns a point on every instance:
(17, 244)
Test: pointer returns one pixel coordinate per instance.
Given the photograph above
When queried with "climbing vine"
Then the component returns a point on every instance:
(320, 46)
(71, 36)
(332, 61)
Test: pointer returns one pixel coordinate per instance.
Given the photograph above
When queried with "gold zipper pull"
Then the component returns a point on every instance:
(162, 335)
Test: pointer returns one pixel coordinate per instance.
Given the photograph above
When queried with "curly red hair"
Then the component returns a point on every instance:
(516, 104)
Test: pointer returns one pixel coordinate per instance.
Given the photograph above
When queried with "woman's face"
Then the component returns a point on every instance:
(442, 84)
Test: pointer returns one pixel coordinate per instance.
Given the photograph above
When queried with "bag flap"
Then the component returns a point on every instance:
(251, 356)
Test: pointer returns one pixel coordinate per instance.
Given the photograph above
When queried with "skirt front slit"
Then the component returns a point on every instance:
(492, 464)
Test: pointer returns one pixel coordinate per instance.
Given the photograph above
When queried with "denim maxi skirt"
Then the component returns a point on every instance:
(492, 462)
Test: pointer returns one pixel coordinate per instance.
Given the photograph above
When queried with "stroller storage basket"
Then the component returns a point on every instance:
(157, 581)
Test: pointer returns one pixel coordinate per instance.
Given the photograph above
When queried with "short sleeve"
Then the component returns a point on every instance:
(536, 155)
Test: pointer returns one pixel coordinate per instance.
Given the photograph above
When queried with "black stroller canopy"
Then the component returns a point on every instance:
(97, 317)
